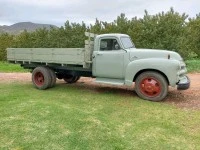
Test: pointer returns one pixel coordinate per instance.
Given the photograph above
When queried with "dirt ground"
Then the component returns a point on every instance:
(189, 99)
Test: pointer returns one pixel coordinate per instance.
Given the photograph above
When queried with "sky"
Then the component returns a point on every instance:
(57, 12)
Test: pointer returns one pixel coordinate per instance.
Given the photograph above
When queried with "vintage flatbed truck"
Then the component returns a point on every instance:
(111, 59)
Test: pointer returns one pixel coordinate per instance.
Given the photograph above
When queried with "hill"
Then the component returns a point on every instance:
(21, 26)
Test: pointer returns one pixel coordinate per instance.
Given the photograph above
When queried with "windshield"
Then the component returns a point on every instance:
(127, 43)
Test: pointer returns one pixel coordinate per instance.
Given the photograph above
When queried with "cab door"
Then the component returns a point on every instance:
(109, 60)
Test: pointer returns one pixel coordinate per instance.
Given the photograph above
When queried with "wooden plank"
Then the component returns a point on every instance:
(47, 55)
(87, 42)
(88, 34)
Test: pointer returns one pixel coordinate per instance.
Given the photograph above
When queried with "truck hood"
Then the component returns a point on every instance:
(136, 54)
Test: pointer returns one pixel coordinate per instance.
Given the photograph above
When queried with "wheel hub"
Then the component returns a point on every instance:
(39, 78)
(150, 87)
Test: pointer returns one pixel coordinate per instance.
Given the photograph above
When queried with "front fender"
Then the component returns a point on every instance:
(166, 66)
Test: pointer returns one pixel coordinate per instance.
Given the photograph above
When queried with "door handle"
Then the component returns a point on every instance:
(99, 54)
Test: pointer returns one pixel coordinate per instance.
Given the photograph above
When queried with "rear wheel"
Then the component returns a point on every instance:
(53, 77)
(41, 78)
(71, 79)
(151, 86)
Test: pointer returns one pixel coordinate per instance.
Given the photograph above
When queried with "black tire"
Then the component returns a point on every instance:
(151, 86)
(77, 78)
(71, 79)
(41, 78)
(53, 77)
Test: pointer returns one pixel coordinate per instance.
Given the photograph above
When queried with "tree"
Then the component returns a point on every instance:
(23, 40)
(97, 27)
(6, 41)
(190, 42)
(39, 38)
(122, 24)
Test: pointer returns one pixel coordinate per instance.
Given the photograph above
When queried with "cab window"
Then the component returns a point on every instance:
(109, 45)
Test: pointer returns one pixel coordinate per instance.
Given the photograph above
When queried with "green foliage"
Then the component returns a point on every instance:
(191, 37)
(166, 30)
(23, 40)
(163, 30)
(6, 40)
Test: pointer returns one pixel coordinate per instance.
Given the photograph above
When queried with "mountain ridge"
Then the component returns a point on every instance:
(21, 26)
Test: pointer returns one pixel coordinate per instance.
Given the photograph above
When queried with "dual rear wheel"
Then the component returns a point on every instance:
(43, 78)
(71, 79)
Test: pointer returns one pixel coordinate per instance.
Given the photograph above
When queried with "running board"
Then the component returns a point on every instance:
(110, 81)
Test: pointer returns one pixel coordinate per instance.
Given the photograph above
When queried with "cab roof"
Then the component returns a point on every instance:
(118, 35)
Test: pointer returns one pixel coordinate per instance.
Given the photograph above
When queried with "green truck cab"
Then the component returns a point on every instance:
(111, 59)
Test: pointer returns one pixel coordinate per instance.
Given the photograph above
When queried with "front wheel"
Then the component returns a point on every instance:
(151, 86)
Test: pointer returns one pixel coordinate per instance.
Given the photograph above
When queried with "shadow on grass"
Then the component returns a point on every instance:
(174, 97)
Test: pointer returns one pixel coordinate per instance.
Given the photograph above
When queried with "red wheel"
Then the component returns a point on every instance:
(41, 78)
(151, 86)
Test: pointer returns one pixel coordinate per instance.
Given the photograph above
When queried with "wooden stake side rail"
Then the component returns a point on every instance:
(61, 56)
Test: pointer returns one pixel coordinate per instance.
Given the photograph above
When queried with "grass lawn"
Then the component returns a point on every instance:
(75, 117)
(9, 67)
(193, 65)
